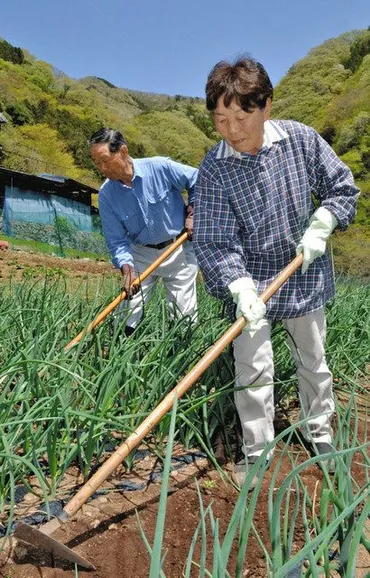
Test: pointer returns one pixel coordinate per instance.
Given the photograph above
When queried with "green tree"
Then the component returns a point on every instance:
(19, 113)
(172, 134)
(37, 149)
(11, 53)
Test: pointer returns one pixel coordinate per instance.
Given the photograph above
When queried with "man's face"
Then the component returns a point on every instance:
(111, 165)
(242, 130)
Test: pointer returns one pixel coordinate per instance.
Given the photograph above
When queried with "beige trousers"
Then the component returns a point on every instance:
(178, 273)
(254, 370)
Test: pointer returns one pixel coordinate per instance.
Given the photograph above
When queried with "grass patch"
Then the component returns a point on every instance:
(45, 249)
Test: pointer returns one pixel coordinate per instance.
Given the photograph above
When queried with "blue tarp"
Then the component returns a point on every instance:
(37, 207)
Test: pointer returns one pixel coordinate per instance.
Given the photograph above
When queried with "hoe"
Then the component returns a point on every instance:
(41, 538)
(123, 295)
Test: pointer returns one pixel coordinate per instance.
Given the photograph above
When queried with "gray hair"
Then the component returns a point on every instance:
(108, 135)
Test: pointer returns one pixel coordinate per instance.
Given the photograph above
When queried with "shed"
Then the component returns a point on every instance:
(49, 208)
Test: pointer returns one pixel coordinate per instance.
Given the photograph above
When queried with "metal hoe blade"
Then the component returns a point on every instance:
(36, 538)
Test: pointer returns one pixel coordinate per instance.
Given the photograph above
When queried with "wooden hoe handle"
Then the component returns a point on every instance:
(103, 314)
(90, 487)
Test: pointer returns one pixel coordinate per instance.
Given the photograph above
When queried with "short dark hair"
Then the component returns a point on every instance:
(108, 135)
(245, 81)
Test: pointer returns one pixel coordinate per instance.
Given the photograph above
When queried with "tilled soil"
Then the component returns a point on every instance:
(108, 530)
(16, 263)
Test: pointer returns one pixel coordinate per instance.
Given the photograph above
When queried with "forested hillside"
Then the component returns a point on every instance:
(330, 90)
(50, 116)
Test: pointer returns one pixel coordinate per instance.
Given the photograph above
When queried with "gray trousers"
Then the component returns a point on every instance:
(254, 370)
(178, 274)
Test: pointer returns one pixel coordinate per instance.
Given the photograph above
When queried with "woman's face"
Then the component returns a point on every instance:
(242, 130)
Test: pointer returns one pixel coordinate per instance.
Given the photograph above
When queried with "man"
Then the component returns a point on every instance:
(253, 212)
(142, 212)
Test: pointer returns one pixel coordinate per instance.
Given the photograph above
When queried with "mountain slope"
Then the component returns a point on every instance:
(328, 89)
(50, 116)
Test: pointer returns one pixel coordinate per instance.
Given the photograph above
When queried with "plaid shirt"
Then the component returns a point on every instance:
(251, 211)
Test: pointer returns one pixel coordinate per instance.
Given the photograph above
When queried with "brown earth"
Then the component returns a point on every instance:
(16, 263)
(106, 529)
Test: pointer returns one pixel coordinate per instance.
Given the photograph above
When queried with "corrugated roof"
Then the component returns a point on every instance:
(62, 186)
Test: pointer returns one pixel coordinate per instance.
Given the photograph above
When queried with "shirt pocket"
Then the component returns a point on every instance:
(157, 195)
(132, 220)
(128, 213)
(160, 207)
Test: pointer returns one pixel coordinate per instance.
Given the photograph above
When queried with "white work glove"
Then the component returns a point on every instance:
(248, 304)
(313, 242)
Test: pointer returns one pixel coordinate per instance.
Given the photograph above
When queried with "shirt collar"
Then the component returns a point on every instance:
(138, 172)
(272, 132)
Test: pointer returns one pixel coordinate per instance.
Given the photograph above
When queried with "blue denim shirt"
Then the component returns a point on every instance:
(151, 211)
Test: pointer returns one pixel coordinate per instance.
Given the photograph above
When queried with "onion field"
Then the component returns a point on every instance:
(60, 409)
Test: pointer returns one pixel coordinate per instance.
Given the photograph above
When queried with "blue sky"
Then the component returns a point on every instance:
(168, 46)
